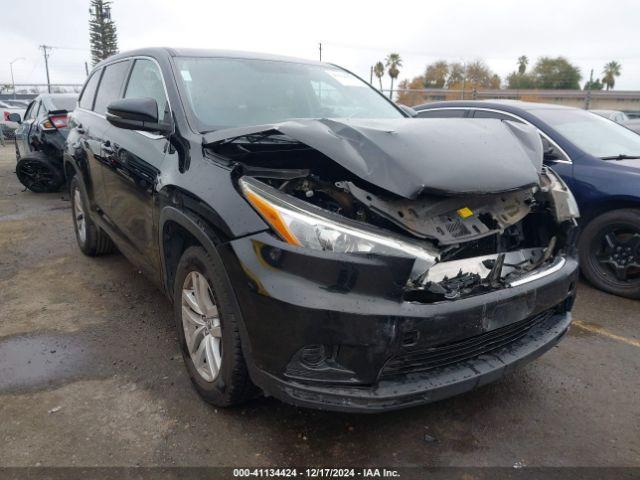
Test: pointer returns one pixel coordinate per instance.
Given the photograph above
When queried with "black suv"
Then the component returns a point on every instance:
(315, 241)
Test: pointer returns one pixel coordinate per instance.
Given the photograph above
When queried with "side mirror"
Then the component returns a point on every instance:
(136, 114)
(408, 110)
(14, 117)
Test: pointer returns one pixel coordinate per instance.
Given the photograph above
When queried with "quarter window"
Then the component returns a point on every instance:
(86, 101)
(146, 81)
(110, 85)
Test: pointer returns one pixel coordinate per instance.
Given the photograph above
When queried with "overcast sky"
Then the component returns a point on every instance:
(355, 34)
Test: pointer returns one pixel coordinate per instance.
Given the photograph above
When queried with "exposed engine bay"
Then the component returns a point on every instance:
(464, 243)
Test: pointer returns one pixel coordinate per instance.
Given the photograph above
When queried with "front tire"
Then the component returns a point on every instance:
(92, 240)
(207, 324)
(609, 251)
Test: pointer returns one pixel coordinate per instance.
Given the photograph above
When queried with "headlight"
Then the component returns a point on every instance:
(564, 203)
(304, 225)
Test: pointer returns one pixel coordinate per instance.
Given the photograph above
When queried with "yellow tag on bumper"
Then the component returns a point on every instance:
(465, 212)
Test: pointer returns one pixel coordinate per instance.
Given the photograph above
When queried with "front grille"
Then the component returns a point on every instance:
(424, 359)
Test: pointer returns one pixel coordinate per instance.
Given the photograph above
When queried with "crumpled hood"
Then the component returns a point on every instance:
(410, 156)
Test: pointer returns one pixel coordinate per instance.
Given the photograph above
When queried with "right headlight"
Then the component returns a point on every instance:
(307, 226)
(564, 203)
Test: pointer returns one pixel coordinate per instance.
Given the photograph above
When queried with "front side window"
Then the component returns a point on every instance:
(110, 85)
(442, 113)
(497, 115)
(591, 133)
(86, 101)
(226, 92)
(146, 81)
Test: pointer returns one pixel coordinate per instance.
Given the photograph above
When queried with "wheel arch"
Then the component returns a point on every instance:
(608, 205)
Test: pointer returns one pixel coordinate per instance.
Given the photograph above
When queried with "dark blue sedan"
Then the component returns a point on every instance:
(600, 162)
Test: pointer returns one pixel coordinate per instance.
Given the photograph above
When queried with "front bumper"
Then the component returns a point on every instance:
(321, 329)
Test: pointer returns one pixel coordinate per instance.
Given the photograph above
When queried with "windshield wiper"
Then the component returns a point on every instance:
(621, 156)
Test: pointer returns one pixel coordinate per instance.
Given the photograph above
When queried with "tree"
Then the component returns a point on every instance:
(103, 37)
(393, 62)
(523, 61)
(610, 72)
(593, 85)
(436, 74)
(456, 75)
(378, 71)
(479, 75)
(518, 81)
(495, 81)
(410, 93)
(556, 73)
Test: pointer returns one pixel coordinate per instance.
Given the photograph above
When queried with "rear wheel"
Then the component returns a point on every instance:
(610, 252)
(92, 240)
(39, 174)
(208, 330)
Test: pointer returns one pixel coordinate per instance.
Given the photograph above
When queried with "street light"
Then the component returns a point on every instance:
(13, 83)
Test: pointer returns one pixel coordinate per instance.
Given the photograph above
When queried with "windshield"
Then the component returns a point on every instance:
(591, 133)
(229, 92)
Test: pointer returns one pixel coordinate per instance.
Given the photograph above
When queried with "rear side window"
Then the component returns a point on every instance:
(86, 101)
(146, 81)
(444, 113)
(110, 85)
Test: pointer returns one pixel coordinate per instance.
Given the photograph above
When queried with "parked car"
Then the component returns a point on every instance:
(633, 124)
(613, 115)
(315, 241)
(600, 161)
(40, 139)
(7, 108)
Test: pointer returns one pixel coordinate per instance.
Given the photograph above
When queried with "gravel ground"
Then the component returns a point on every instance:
(90, 375)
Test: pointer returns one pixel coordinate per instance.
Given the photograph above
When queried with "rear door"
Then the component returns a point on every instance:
(24, 129)
(135, 159)
(85, 139)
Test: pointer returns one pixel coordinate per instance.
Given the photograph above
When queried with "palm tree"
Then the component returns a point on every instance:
(523, 61)
(378, 71)
(393, 62)
(610, 72)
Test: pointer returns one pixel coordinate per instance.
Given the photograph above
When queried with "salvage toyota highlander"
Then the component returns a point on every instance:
(319, 245)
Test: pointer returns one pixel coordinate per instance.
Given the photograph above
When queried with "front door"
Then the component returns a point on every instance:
(135, 159)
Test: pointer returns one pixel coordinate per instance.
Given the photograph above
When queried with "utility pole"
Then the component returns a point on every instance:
(371, 75)
(320, 48)
(86, 69)
(45, 49)
(13, 83)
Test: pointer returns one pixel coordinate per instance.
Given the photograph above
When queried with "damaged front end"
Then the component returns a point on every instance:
(465, 241)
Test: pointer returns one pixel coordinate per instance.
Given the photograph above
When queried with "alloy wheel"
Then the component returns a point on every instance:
(201, 324)
(617, 252)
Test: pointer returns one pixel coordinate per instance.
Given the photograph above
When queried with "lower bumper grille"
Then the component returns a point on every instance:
(424, 359)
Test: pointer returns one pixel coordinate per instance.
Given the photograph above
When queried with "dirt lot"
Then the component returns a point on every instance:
(90, 375)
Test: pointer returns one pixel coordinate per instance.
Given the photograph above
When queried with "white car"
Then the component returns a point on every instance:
(615, 115)
(7, 107)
